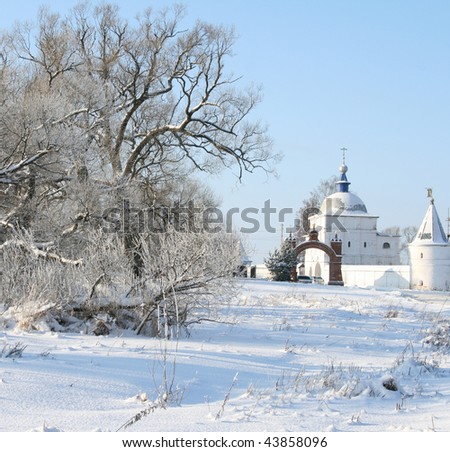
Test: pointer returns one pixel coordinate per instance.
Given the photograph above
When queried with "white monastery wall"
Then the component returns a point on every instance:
(389, 276)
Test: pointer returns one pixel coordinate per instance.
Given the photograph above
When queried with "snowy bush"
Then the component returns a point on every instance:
(184, 277)
(32, 288)
(46, 293)
(348, 382)
(12, 351)
(438, 336)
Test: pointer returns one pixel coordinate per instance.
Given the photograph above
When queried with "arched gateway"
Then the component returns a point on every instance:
(334, 252)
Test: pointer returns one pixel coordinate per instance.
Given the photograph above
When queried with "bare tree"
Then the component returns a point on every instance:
(325, 188)
(146, 94)
(311, 205)
(190, 278)
(96, 112)
(117, 107)
(407, 235)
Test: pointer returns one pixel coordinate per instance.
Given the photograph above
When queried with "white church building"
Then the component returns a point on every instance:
(371, 258)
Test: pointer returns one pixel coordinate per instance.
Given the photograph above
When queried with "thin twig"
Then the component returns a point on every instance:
(227, 397)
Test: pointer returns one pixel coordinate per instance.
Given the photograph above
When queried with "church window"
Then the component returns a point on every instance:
(365, 244)
(349, 244)
(386, 245)
(421, 255)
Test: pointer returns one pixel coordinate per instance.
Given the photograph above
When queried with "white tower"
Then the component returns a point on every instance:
(430, 253)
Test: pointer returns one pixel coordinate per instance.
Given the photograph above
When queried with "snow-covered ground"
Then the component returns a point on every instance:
(286, 357)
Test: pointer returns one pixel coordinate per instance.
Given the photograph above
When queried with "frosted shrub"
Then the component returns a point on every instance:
(44, 293)
(186, 277)
(33, 288)
(183, 278)
(12, 351)
(438, 336)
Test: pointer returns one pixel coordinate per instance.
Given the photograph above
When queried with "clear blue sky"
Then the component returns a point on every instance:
(373, 76)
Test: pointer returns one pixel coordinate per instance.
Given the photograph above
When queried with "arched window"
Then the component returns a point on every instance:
(386, 245)
(349, 244)
(421, 255)
(365, 244)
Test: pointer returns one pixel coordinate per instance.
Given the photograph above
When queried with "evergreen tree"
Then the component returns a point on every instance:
(281, 262)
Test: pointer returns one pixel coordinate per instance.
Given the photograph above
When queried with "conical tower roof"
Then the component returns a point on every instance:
(431, 231)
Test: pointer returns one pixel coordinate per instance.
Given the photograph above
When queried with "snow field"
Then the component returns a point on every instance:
(282, 357)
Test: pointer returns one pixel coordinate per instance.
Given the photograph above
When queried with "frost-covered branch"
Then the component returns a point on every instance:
(6, 174)
(34, 250)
